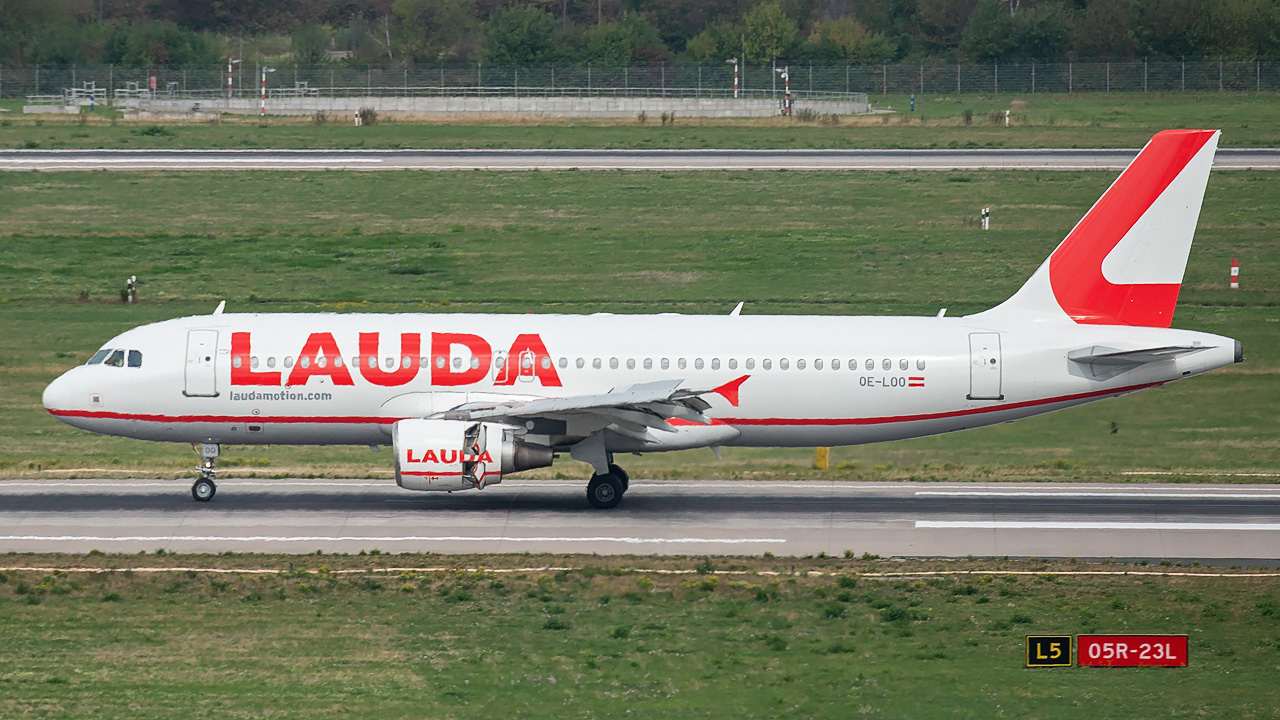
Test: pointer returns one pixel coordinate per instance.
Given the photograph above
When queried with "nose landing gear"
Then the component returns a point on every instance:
(204, 488)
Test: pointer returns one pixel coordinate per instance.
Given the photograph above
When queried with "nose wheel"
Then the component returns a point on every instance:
(204, 488)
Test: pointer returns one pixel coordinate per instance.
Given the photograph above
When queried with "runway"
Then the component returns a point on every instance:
(1012, 159)
(1211, 523)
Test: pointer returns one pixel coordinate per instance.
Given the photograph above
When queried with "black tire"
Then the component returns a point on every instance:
(203, 490)
(621, 475)
(604, 491)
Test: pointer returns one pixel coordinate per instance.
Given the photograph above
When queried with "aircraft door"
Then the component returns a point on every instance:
(527, 369)
(201, 370)
(984, 366)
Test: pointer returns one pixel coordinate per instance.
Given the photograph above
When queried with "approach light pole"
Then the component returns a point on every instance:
(734, 62)
(230, 64)
(262, 108)
(785, 71)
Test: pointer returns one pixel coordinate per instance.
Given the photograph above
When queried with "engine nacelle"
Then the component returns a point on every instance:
(449, 455)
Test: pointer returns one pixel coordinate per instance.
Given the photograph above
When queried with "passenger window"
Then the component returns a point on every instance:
(835, 364)
(271, 361)
(733, 363)
(613, 363)
(681, 363)
(903, 364)
(648, 363)
(440, 362)
(631, 363)
(596, 363)
(666, 364)
(920, 364)
(337, 361)
(783, 364)
(871, 364)
(288, 361)
(697, 364)
(99, 356)
(457, 363)
(817, 364)
(564, 363)
(800, 364)
(135, 358)
(887, 364)
(751, 363)
(499, 362)
(766, 363)
(304, 361)
(116, 359)
(715, 363)
(546, 362)
(475, 362)
(235, 361)
(253, 362)
(321, 361)
(580, 363)
(390, 363)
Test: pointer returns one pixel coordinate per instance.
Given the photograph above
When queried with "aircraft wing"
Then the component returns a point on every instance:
(632, 411)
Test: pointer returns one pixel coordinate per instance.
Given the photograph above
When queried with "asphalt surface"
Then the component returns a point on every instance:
(1211, 523)
(1052, 159)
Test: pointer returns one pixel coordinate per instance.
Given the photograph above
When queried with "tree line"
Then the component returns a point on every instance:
(621, 32)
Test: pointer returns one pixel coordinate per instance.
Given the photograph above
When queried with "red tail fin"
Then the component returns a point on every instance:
(1123, 262)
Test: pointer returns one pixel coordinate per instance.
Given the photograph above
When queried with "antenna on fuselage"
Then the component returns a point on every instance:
(218, 310)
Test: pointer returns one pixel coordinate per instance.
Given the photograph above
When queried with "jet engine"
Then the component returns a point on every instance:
(448, 455)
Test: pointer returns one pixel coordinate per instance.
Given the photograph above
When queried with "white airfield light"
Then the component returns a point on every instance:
(467, 399)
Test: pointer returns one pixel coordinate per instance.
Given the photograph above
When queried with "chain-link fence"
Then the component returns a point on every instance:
(664, 80)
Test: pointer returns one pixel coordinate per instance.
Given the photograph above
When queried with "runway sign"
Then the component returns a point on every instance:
(1048, 651)
(1132, 650)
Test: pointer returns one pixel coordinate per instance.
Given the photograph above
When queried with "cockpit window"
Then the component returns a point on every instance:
(99, 356)
(116, 359)
(135, 358)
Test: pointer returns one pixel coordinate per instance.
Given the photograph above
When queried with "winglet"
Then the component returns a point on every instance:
(737, 310)
(729, 390)
(221, 306)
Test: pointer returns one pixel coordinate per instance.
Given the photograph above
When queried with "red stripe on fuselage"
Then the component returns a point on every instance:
(359, 420)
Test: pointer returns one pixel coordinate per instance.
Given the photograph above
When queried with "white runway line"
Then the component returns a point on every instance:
(182, 161)
(1074, 493)
(1070, 525)
(386, 538)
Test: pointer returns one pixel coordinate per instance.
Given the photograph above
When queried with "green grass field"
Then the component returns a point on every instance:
(596, 637)
(1041, 120)
(783, 242)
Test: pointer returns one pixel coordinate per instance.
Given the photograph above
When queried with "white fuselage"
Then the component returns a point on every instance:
(809, 380)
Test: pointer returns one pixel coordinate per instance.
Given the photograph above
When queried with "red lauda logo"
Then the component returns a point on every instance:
(447, 457)
(527, 360)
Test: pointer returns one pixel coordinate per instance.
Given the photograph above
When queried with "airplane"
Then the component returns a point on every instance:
(467, 399)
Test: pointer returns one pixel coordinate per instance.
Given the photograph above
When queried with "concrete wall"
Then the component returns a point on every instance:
(536, 106)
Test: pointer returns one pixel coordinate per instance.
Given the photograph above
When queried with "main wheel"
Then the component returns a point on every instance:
(621, 475)
(203, 489)
(604, 491)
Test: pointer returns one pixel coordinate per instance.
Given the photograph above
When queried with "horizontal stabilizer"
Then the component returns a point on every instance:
(1098, 355)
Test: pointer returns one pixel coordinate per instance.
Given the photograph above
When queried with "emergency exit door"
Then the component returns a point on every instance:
(201, 372)
(984, 366)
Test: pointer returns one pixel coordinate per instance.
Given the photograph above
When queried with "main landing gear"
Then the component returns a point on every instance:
(606, 491)
(204, 487)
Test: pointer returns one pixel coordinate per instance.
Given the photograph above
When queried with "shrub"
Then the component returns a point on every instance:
(319, 117)
(367, 116)
(621, 632)
(555, 623)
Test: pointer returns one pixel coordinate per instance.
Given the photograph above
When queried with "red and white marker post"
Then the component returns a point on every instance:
(1235, 274)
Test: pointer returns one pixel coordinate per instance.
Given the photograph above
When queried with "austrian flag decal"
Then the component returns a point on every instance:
(915, 382)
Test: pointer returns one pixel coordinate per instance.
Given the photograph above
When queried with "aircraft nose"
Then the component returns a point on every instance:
(58, 394)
